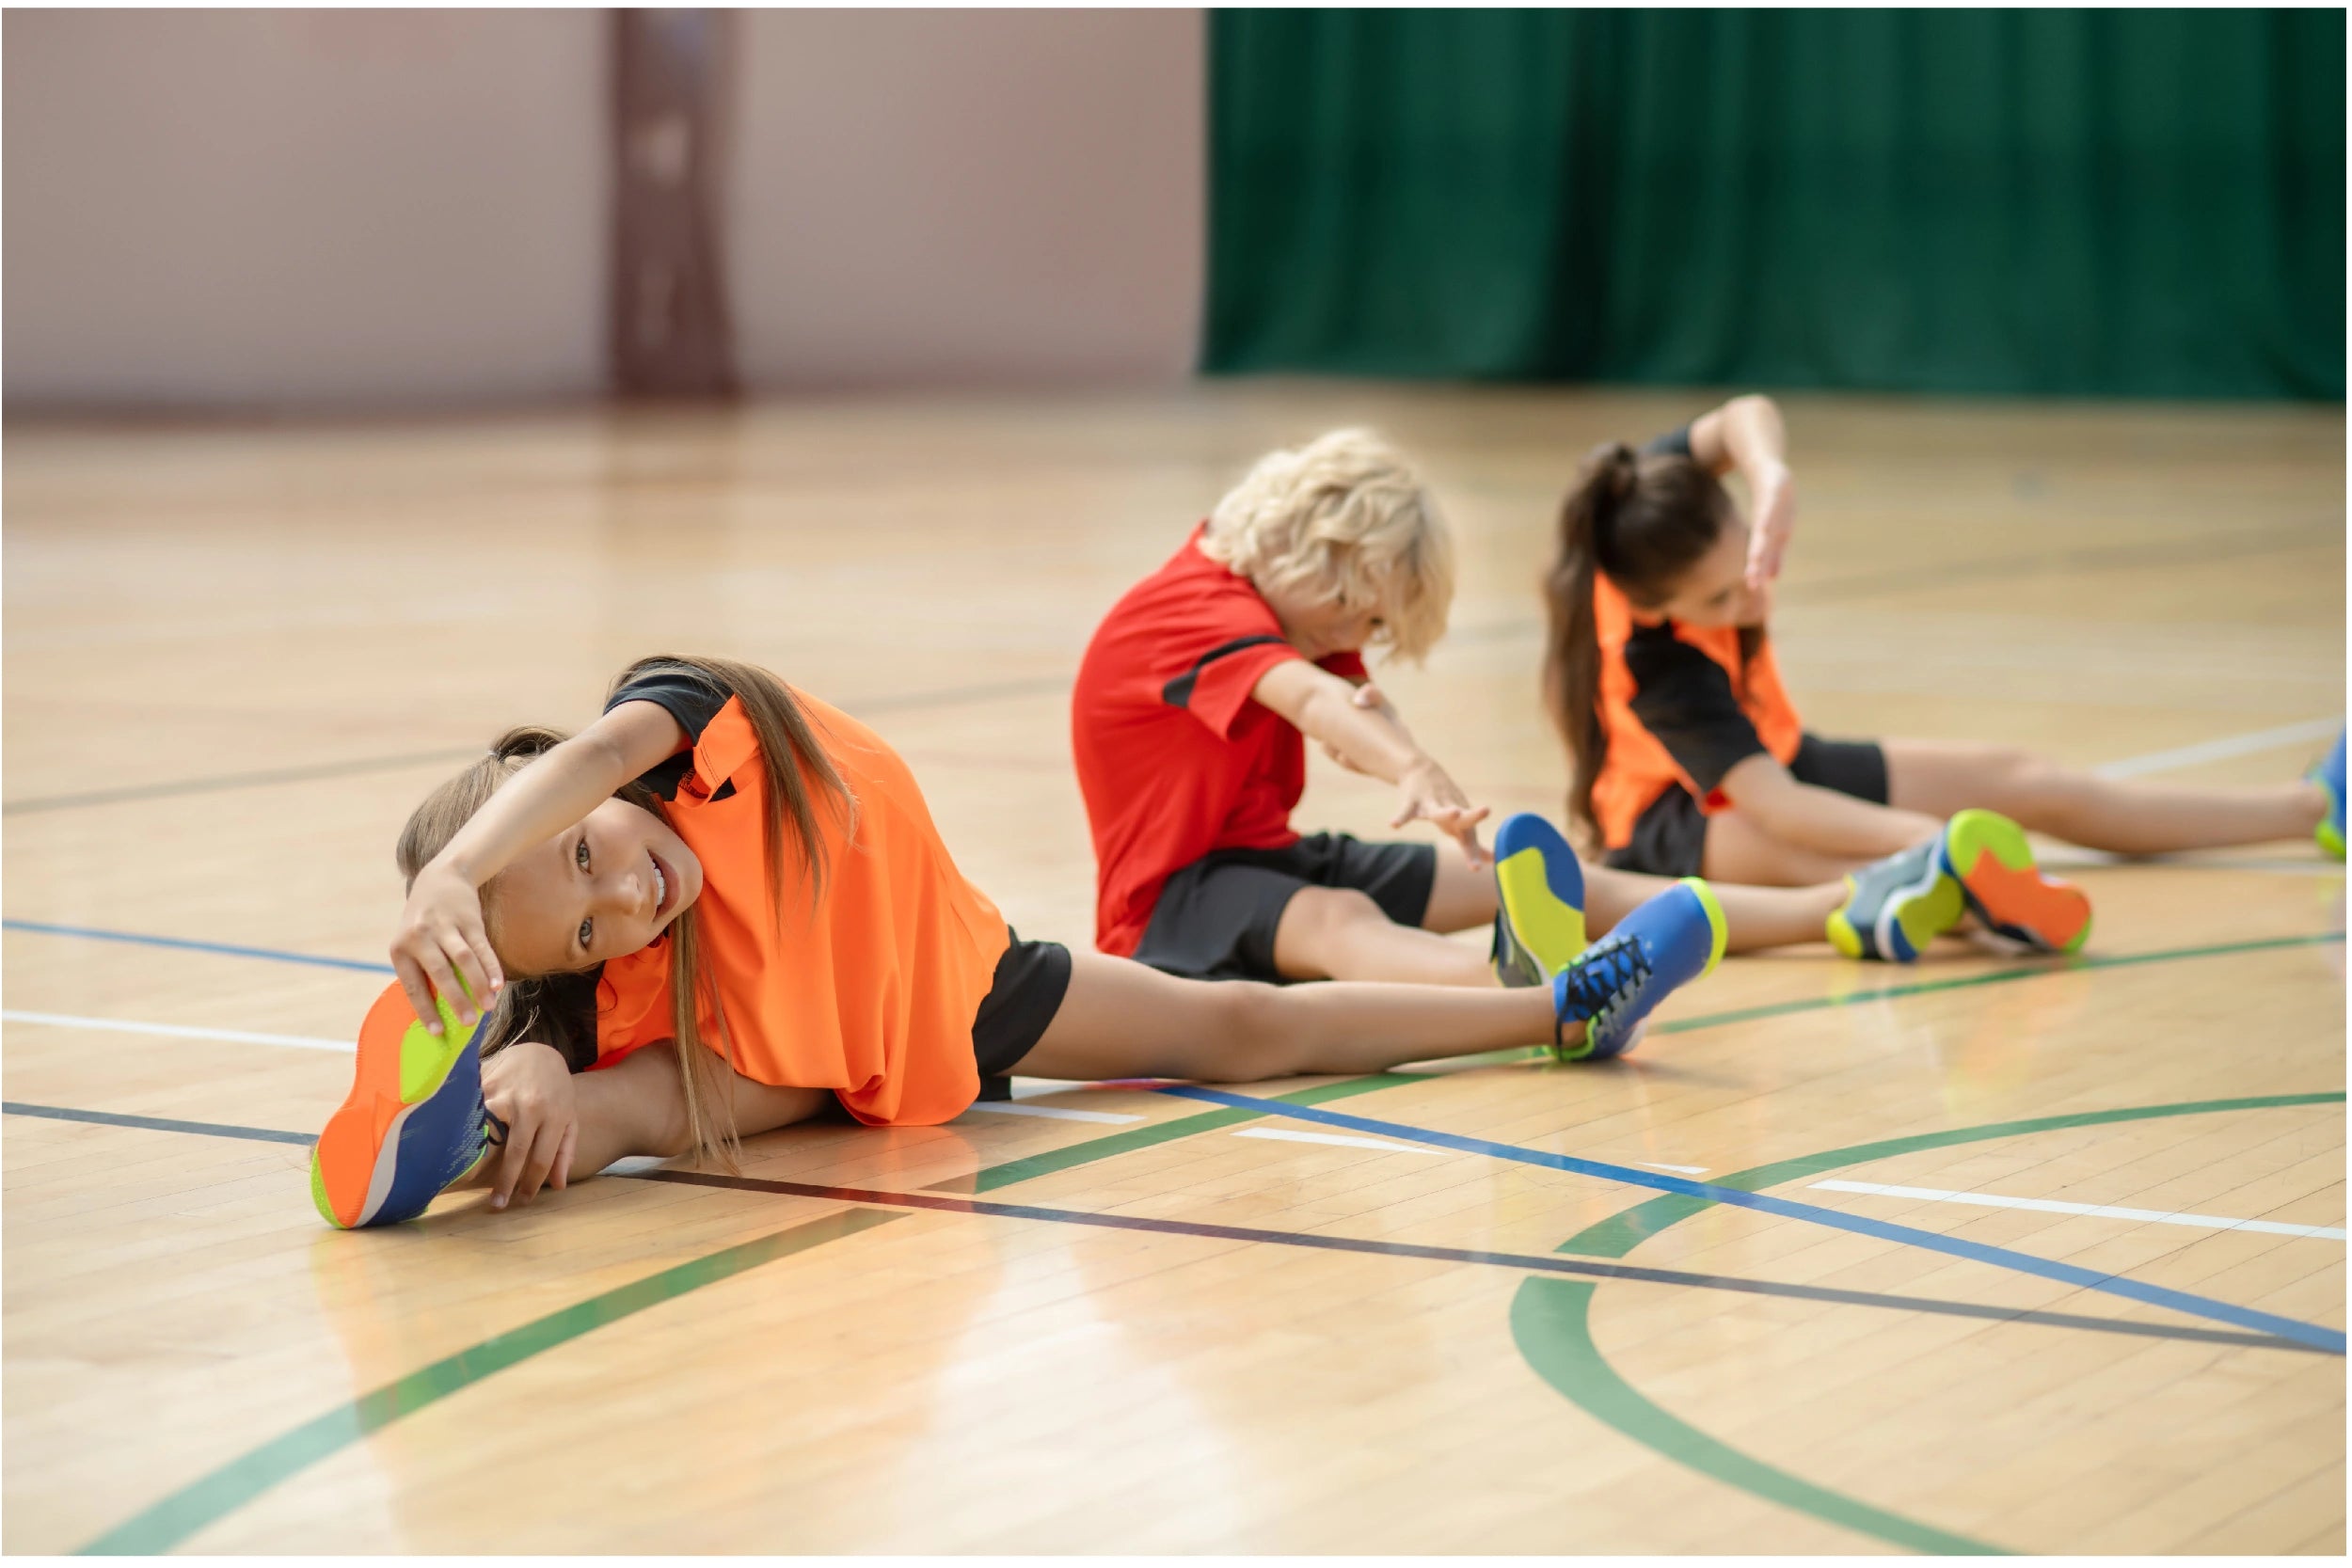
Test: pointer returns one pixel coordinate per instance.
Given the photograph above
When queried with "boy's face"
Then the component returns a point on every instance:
(1318, 626)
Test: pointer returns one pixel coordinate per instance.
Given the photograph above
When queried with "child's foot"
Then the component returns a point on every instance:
(1895, 907)
(414, 1123)
(1670, 941)
(1539, 901)
(2005, 891)
(2328, 776)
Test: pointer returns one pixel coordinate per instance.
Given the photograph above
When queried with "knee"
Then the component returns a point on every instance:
(2024, 782)
(1318, 918)
(1250, 1041)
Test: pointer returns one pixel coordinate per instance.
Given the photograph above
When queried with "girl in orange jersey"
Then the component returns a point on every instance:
(731, 899)
(1690, 757)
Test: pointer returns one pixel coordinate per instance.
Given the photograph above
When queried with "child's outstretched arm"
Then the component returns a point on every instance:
(1746, 434)
(441, 940)
(1371, 738)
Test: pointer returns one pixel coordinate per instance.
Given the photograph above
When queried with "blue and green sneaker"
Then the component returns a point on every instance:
(2328, 776)
(1539, 901)
(1666, 943)
(1895, 907)
(414, 1122)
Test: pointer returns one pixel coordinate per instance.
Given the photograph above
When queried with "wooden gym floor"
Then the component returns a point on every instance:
(1121, 1320)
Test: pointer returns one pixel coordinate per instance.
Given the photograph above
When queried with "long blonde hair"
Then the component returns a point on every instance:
(1347, 516)
(527, 1008)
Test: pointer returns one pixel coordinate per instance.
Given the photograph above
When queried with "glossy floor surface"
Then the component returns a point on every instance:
(1119, 1318)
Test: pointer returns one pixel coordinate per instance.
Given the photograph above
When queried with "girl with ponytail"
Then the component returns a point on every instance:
(730, 901)
(1689, 756)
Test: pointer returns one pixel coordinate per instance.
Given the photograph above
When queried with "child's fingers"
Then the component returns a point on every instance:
(414, 986)
(486, 956)
(513, 1158)
(542, 1152)
(467, 955)
(438, 969)
(560, 1174)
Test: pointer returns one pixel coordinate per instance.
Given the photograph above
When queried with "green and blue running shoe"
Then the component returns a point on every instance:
(1666, 943)
(1988, 855)
(414, 1122)
(2328, 776)
(1539, 901)
(1895, 907)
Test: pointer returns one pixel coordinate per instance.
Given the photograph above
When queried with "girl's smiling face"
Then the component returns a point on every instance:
(602, 889)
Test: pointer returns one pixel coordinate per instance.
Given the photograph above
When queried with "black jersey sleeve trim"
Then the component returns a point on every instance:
(694, 704)
(1685, 699)
(1673, 443)
(1178, 692)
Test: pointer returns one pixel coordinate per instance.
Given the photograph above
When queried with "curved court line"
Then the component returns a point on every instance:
(2316, 1335)
(164, 1525)
(173, 1520)
(1087, 1152)
(1551, 1320)
(1536, 1262)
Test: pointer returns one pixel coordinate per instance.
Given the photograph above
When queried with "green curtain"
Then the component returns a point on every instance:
(2031, 201)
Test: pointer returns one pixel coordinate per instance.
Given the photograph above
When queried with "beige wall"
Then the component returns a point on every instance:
(968, 196)
(288, 207)
(364, 209)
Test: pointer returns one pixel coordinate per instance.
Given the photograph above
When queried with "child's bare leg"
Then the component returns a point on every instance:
(637, 1106)
(1739, 851)
(1330, 933)
(1124, 1020)
(2119, 815)
(1754, 918)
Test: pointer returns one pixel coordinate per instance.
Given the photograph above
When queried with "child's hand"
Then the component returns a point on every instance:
(529, 1087)
(1773, 497)
(1436, 799)
(440, 938)
(1370, 698)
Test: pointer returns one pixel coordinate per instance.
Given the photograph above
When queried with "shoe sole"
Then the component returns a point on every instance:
(400, 1067)
(1995, 864)
(1534, 914)
(1912, 917)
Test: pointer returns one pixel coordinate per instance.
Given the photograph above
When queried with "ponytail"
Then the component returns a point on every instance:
(1572, 650)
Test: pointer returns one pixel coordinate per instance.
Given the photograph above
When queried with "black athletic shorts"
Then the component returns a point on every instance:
(1215, 918)
(1669, 837)
(1032, 979)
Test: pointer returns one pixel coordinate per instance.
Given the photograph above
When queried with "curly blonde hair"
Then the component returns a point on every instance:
(1347, 517)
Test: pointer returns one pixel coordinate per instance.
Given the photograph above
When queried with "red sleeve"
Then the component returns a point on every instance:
(1217, 688)
(1347, 666)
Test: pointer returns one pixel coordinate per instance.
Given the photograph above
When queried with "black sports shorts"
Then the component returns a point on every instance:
(1032, 979)
(1216, 917)
(1670, 836)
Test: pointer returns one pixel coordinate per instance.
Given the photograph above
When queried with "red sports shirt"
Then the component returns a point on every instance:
(1174, 758)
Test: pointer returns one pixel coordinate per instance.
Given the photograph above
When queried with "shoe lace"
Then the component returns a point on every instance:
(1611, 974)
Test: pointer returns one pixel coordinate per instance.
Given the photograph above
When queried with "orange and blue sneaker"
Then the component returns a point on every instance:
(2011, 899)
(1539, 901)
(1895, 907)
(414, 1122)
(2328, 776)
(1667, 942)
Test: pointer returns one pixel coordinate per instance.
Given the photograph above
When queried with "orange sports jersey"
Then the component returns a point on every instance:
(1680, 708)
(872, 993)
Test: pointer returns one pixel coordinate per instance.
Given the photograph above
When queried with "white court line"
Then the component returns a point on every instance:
(183, 1031)
(1660, 1165)
(2051, 1206)
(2213, 751)
(1055, 1113)
(1285, 1135)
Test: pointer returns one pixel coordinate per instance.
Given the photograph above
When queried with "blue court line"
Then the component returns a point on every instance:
(231, 949)
(2314, 1334)
(157, 1124)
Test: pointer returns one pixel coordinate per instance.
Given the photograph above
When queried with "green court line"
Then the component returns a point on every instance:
(169, 1522)
(1551, 1321)
(166, 1524)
